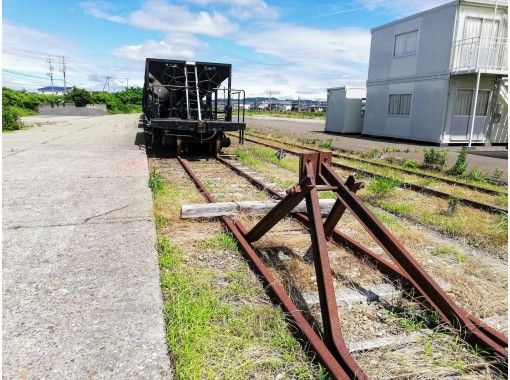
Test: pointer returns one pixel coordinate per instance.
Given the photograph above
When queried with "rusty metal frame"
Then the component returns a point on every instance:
(276, 289)
(402, 267)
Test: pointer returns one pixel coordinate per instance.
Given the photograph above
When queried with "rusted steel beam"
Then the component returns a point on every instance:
(276, 289)
(339, 208)
(420, 279)
(329, 308)
(280, 211)
(383, 265)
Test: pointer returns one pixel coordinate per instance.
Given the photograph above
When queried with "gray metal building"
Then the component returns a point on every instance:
(441, 75)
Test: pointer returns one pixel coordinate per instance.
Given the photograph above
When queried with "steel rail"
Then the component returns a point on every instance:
(389, 166)
(475, 326)
(324, 355)
(402, 184)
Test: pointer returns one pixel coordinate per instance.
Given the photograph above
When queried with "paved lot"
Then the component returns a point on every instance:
(486, 159)
(81, 294)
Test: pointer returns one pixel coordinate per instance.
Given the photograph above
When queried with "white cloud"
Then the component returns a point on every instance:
(102, 9)
(299, 44)
(165, 16)
(242, 9)
(402, 7)
(175, 46)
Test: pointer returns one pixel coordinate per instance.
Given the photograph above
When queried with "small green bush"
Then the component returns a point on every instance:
(79, 96)
(453, 204)
(411, 164)
(382, 186)
(476, 175)
(327, 144)
(10, 120)
(156, 182)
(434, 159)
(460, 166)
(372, 154)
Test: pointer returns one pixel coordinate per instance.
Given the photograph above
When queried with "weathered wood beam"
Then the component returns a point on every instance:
(212, 210)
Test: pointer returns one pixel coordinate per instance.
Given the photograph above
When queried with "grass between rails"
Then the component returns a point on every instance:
(217, 325)
(473, 179)
(490, 232)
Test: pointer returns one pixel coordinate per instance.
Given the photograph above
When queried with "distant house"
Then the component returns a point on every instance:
(441, 75)
(57, 90)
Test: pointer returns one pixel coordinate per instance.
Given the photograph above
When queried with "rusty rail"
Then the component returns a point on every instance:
(403, 267)
(403, 184)
(324, 355)
(337, 153)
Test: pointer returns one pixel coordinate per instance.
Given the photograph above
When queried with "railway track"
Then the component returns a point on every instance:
(373, 279)
(342, 153)
(469, 201)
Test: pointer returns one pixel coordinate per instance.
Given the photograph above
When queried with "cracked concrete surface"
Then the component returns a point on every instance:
(81, 295)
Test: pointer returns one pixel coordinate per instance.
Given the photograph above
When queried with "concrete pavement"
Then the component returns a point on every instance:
(81, 294)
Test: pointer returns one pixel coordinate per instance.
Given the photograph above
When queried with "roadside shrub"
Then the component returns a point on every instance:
(434, 159)
(460, 166)
(79, 96)
(411, 164)
(382, 186)
(10, 120)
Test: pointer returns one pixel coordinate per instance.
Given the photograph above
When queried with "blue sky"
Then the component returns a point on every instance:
(286, 48)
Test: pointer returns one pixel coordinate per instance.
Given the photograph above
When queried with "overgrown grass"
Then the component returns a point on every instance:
(288, 162)
(209, 338)
(222, 240)
(381, 187)
(449, 250)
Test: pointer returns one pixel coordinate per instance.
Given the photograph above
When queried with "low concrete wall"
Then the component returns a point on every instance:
(69, 109)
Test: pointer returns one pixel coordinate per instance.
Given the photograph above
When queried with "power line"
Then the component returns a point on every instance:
(23, 74)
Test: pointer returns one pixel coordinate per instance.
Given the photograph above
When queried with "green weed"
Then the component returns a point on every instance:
(448, 250)
(221, 240)
(434, 159)
(156, 182)
(382, 186)
(460, 166)
(326, 144)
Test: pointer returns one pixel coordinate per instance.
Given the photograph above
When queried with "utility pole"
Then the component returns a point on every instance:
(50, 74)
(63, 70)
(127, 83)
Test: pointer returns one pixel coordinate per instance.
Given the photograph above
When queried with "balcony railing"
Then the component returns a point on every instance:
(480, 53)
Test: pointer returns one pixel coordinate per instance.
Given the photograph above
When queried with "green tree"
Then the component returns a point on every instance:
(79, 96)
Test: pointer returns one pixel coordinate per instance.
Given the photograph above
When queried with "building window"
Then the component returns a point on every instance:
(399, 104)
(405, 44)
(464, 100)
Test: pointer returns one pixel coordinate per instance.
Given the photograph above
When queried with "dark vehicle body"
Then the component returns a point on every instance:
(184, 105)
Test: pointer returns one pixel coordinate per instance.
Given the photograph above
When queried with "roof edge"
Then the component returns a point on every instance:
(447, 5)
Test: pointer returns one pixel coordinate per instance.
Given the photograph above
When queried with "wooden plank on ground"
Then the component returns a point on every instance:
(210, 210)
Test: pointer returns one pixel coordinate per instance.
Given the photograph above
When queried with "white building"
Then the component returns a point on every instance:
(441, 75)
(344, 114)
(56, 90)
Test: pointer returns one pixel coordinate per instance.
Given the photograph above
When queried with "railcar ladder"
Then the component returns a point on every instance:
(192, 92)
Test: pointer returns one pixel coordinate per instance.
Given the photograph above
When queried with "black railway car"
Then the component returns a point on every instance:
(185, 106)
